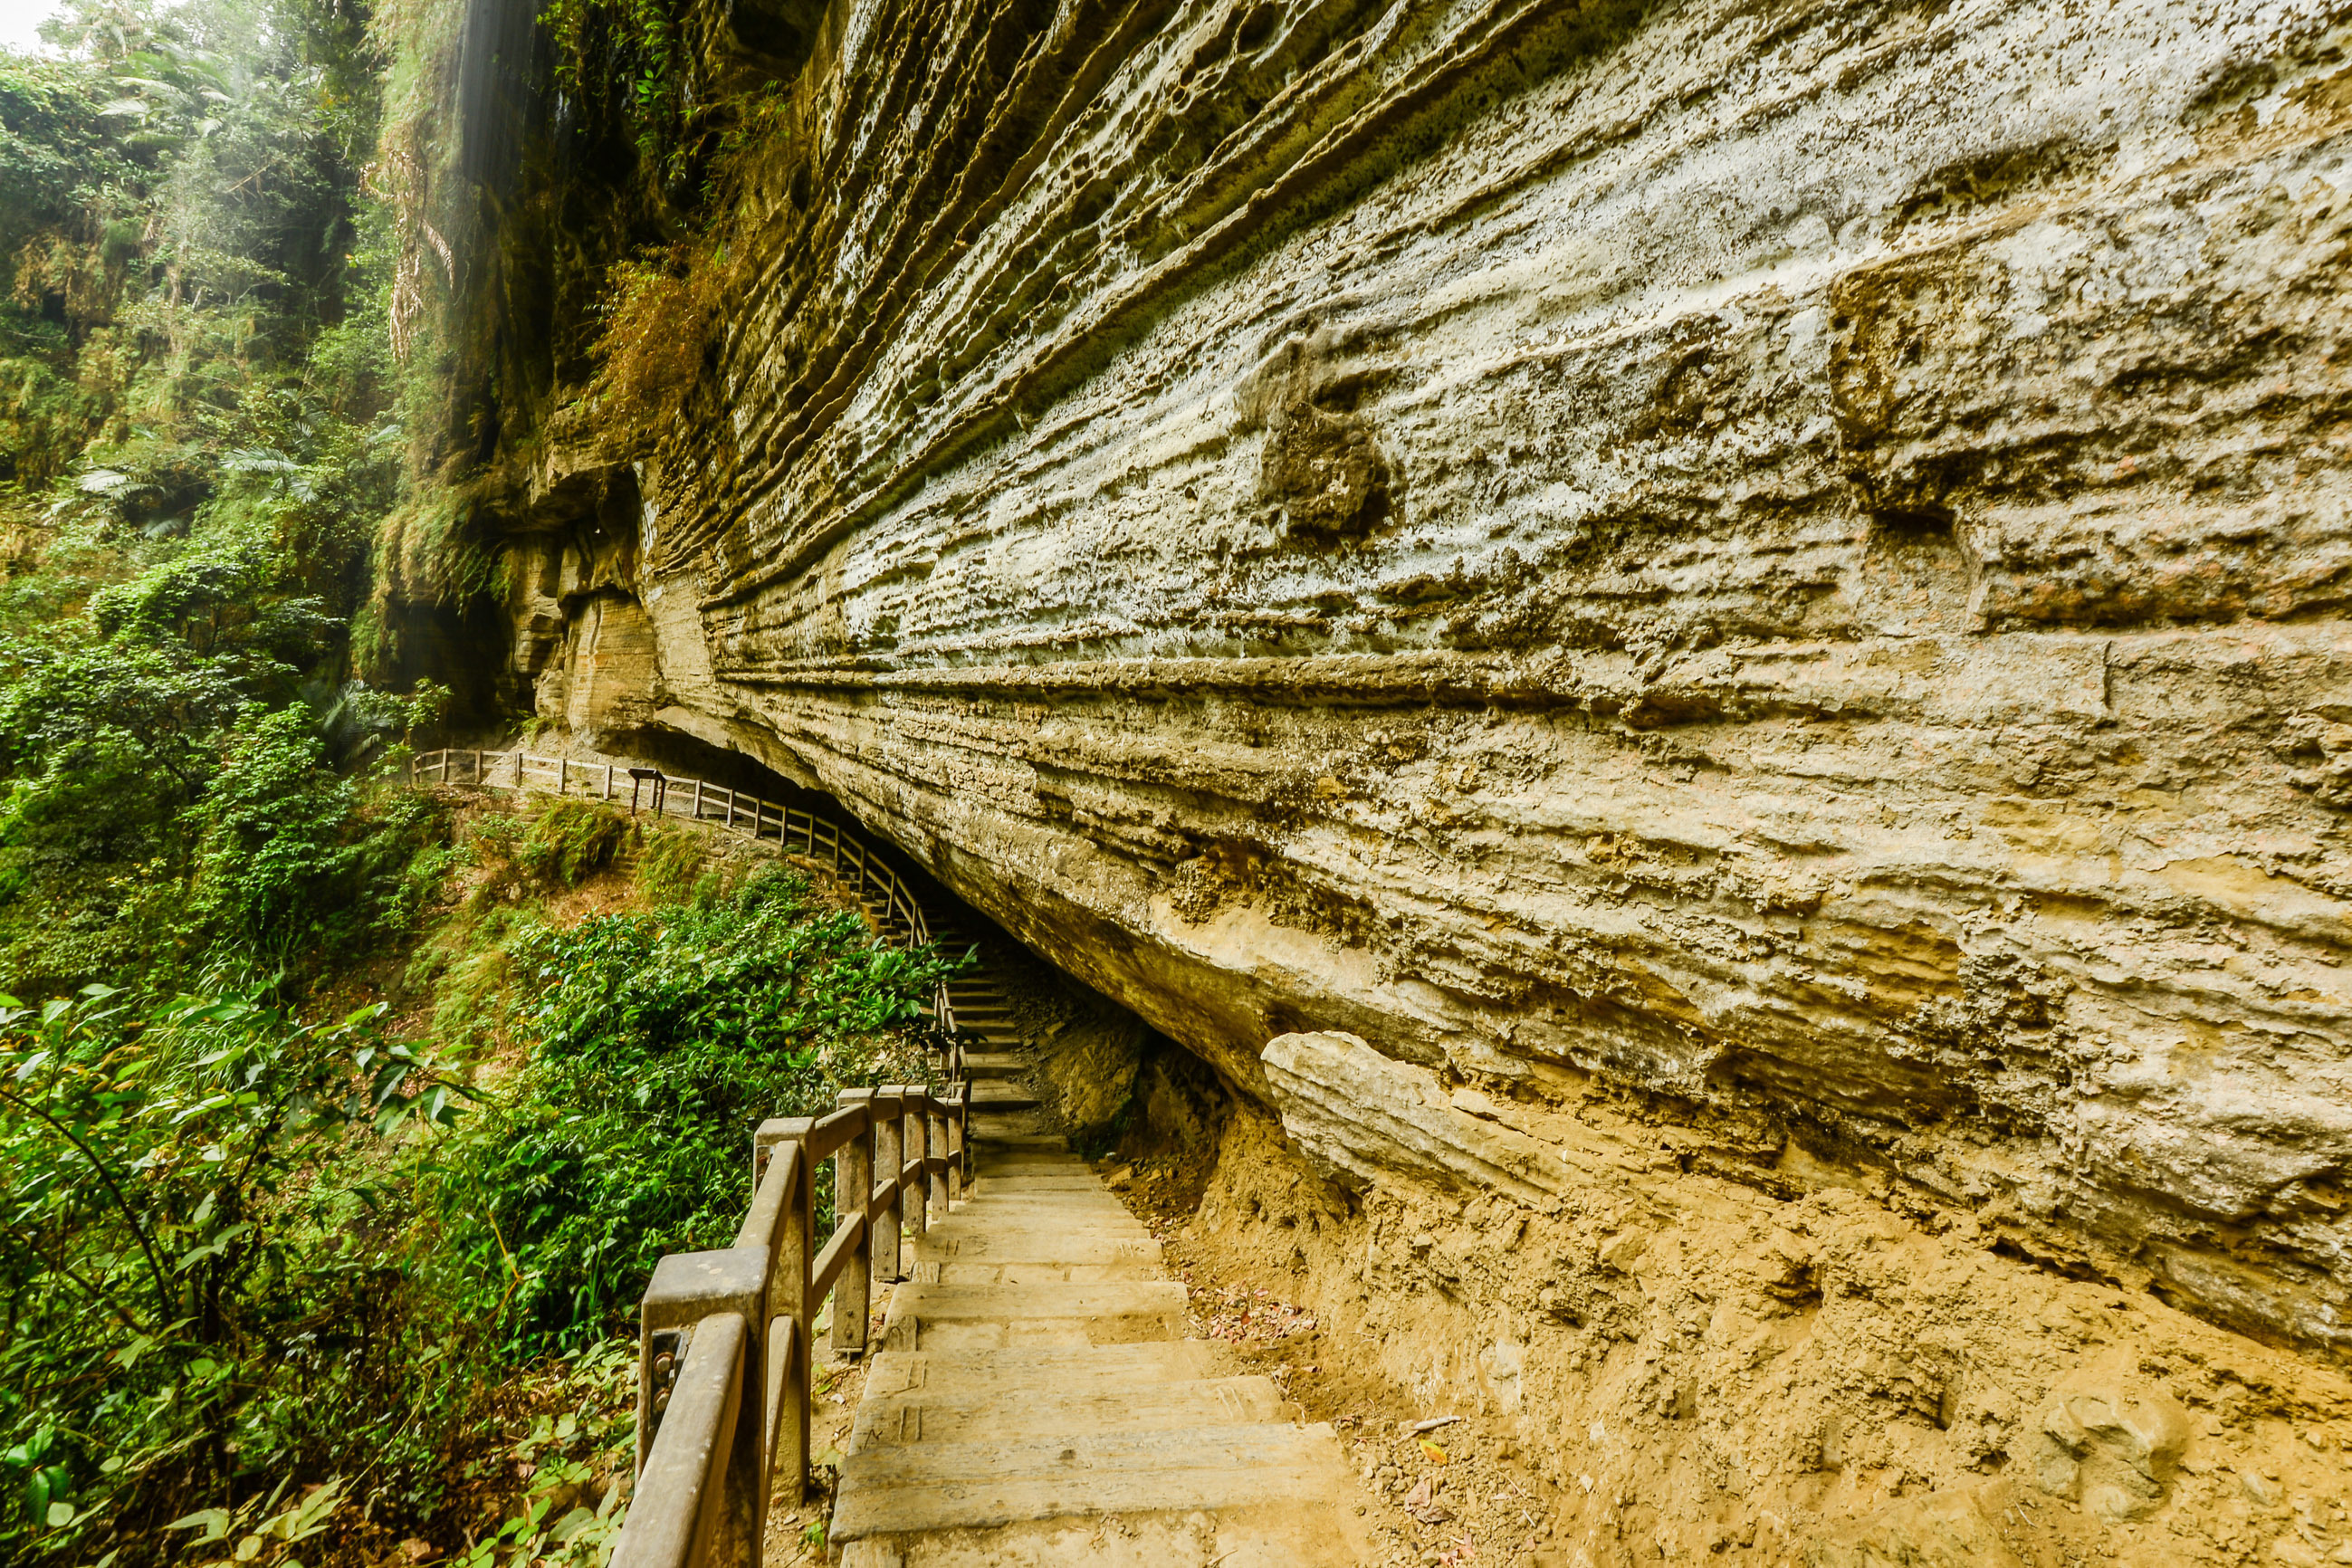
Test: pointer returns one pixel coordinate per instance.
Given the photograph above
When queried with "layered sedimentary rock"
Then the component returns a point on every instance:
(1787, 557)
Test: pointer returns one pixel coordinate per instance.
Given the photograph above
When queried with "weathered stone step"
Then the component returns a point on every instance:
(1016, 1243)
(1010, 1372)
(980, 1065)
(1030, 1225)
(1024, 1238)
(992, 1191)
(1042, 1206)
(1274, 1535)
(1032, 1271)
(930, 1415)
(981, 1485)
(1014, 1131)
(976, 1318)
(997, 1094)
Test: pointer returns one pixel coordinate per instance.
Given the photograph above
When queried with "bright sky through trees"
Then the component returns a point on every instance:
(19, 17)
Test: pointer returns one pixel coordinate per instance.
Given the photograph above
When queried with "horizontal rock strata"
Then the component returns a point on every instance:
(1791, 557)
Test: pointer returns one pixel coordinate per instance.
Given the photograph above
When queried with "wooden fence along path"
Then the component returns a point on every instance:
(1033, 1383)
(725, 1345)
(901, 913)
(726, 1339)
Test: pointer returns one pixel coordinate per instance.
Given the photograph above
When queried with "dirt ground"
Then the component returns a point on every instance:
(1682, 1369)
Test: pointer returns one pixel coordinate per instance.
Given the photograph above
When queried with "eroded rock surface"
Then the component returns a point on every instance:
(1788, 556)
(1664, 1364)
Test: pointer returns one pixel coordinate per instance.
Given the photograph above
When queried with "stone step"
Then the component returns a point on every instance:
(949, 1241)
(1032, 1271)
(1030, 1238)
(1037, 1227)
(987, 1195)
(973, 1319)
(979, 1213)
(1015, 1131)
(983, 1485)
(997, 1094)
(931, 1416)
(1275, 1535)
(1042, 1208)
(1009, 1373)
(992, 1064)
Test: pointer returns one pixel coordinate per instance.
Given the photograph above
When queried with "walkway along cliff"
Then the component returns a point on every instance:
(1698, 649)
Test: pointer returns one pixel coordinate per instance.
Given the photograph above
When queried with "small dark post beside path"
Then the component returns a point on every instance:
(654, 776)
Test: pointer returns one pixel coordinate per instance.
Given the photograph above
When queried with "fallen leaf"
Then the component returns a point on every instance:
(1421, 1503)
(1436, 1455)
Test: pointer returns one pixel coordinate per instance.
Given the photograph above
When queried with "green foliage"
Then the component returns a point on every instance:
(660, 1044)
(287, 859)
(175, 1278)
(584, 1424)
(631, 42)
(569, 840)
(657, 321)
(268, 1290)
(670, 867)
(177, 200)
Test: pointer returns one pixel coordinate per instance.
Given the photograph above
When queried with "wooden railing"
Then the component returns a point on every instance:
(795, 832)
(726, 1342)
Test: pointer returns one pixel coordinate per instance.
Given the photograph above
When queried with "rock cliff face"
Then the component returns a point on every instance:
(1788, 558)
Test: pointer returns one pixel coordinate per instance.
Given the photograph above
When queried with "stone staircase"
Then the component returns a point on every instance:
(1034, 1400)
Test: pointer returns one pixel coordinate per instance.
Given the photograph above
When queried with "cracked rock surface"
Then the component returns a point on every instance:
(1791, 557)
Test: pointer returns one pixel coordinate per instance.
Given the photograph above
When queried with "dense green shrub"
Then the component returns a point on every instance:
(187, 1268)
(670, 868)
(570, 840)
(659, 1045)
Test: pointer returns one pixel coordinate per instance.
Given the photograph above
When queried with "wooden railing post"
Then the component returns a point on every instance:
(955, 1145)
(694, 1293)
(853, 1192)
(936, 1117)
(889, 1154)
(913, 1197)
(963, 1117)
(792, 1344)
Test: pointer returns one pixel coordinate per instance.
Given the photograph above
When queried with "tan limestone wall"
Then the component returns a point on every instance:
(1791, 556)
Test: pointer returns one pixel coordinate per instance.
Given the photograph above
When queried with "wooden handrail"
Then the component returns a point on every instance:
(726, 1340)
(877, 885)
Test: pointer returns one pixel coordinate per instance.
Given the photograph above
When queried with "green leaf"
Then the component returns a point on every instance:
(212, 1522)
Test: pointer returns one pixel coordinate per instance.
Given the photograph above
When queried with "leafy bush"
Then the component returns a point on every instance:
(570, 840)
(181, 1274)
(670, 868)
(657, 327)
(661, 1044)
